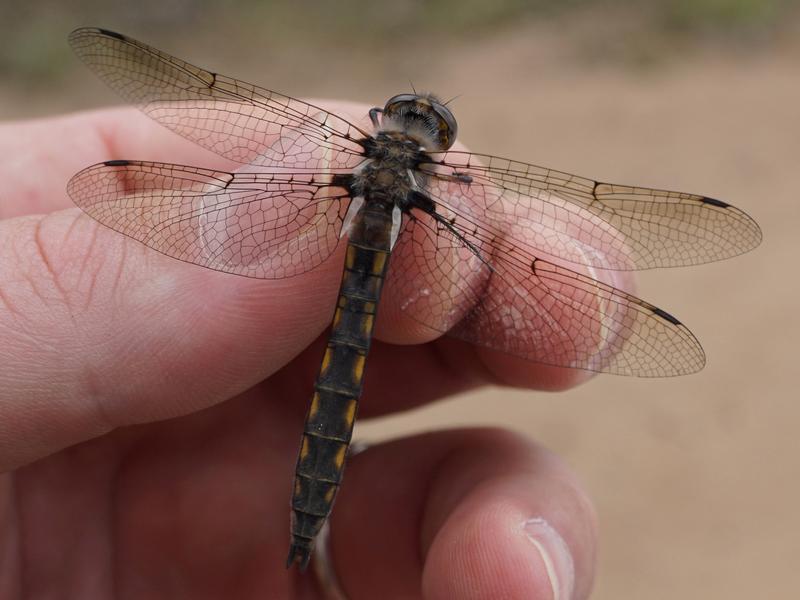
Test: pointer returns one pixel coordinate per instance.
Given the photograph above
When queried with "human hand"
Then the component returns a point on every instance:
(150, 413)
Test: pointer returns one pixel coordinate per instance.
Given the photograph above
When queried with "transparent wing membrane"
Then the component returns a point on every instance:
(237, 120)
(253, 224)
(628, 227)
(506, 299)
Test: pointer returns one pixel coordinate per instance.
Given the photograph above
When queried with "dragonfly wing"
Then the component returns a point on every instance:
(262, 225)
(621, 227)
(491, 290)
(237, 120)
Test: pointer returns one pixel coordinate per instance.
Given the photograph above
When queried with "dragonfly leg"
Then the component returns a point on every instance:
(373, 116)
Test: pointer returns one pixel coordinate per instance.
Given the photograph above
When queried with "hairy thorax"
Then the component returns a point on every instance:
(386, 175)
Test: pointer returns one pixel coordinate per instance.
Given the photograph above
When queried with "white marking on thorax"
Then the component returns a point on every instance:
(352, 211)
(397, 221)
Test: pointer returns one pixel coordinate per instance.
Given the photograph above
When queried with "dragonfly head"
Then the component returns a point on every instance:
(423, 117)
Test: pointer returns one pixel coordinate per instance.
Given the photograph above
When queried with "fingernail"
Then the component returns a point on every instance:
(555, 556)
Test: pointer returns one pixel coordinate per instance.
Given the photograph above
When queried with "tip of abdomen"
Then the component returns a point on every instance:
(300, 554)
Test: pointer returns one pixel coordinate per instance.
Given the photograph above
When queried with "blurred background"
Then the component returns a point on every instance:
(696, 479)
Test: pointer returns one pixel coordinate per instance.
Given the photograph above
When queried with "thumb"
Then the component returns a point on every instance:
(97, 331)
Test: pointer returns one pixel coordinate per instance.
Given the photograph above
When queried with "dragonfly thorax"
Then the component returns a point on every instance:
(392, 157)
(385, 177)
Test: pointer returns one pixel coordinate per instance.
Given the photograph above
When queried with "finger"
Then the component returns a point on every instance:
(40, 156)
(100, 332)
(37, 173)
(466, 514)
(440, 369)
(97, 331)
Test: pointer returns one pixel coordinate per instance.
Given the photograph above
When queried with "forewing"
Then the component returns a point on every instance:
(617, 227)
(493, 292)
(237, 120)
(260, 225)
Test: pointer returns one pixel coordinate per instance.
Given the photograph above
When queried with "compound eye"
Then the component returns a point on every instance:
(391, 103)
(448, 136)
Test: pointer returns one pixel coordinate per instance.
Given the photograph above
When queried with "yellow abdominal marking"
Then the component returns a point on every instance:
(350, 257)
(337, 316)
(358, 368)
(304, 448)
(330, 494)
(298, 487)
(350, 415)
(326, 361)
(379, 263)
(366, 324)
(312, 410)
(338, 460)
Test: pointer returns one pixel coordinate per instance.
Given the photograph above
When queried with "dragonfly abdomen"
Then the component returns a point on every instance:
(333, 409)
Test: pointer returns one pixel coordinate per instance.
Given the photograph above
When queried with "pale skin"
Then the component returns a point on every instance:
(150, 413)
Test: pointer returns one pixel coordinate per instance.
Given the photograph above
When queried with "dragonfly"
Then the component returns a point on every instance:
(503, 254)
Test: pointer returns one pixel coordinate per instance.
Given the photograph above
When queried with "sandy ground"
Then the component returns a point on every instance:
(695, 478)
